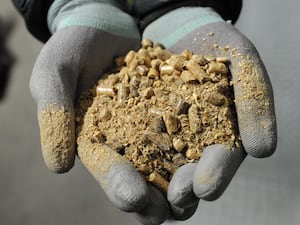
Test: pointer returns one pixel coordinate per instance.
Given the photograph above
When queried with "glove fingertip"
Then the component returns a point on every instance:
(209, 192)
(56, 163)
(208, 187)
(260, 148)
(127, 188)
(215, 170)
(157, 209)
(180, 192)
(182, 214)
(258, 141)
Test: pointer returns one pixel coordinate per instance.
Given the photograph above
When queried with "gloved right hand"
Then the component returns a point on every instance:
(86, 37)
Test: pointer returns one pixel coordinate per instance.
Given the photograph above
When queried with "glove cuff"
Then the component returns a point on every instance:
(175, 25)
(102, 15)
(148, 11)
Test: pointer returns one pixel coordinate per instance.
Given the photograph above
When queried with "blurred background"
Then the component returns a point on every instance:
(263, 192)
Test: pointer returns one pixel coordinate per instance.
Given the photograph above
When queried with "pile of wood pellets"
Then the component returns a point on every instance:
(160, 110)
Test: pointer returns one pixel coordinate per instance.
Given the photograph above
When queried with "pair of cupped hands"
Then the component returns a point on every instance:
(85, 40)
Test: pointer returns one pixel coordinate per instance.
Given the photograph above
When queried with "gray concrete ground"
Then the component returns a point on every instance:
(263, 192)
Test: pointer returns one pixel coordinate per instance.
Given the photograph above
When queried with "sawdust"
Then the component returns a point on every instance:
(253, 87)
(98, 159)
(57, 138)
(159, 111)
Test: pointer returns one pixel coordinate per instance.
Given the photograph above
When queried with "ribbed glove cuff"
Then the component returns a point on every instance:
(103, 15)
(175, 25)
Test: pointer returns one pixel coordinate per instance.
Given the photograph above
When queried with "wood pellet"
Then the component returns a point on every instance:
(160, 110)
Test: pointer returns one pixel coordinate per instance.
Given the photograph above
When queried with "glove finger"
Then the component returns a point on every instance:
(215, 170)
(52, 85)
(252, 87)
(180, 191)
(254, 104)
(157, 209)
(124, 186)
(183, 201)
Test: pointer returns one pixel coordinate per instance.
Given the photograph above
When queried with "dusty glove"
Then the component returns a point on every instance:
(203, 31)
(87, 35)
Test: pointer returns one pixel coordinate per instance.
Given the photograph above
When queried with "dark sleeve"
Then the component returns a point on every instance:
(147, 11)
(7, 58)
(34, 13)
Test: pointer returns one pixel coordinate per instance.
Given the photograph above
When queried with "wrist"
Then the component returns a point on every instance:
(103, 15)
(175, 25)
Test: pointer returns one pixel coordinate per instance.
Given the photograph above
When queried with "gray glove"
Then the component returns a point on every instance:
(203, 31)
(87, 35)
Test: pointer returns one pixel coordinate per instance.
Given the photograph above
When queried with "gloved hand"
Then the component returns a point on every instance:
(87, 35)
(202, 31)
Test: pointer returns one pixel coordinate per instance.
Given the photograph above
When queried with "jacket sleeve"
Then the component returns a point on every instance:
(146, 11)
(34, 13)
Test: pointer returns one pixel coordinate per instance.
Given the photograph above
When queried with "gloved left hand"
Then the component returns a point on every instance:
(202, 31)
(87, 35)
